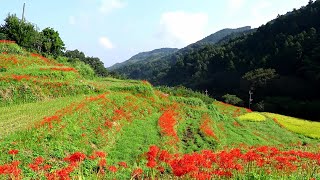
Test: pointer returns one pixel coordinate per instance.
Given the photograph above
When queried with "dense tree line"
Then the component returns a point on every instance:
(46, 42)
(279, 62)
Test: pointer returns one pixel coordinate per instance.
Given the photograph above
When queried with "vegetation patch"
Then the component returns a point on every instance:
(254, 116)
(304, 127)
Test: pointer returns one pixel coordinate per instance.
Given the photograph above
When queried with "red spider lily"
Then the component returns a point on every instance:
(152, 155)
(42, 58)
(13, 151)
(137, 172)
(20, 77)
(100, 154)
(7, 41)
(11, 169)
(75, 157)
(112, 169)
(164, 156)
(151, 164)
(35, 165)
(206, 128)
(123, 164)
(167, 123)
(102, 163)
(108, 123)
(202, 176)
(66, 69)
(46, 167)
(49, 120)
(61, 174)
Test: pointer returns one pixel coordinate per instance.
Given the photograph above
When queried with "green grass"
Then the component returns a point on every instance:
(300, 126)
(18, 117)
(53, 114)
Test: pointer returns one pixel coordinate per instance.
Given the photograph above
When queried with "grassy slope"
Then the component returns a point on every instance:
(18, 117)
(121, 118)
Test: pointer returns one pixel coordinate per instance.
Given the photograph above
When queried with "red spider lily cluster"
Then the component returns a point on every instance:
(38, 165)
(65, 69)
(12, 169)
(206, 127)
(13, 151)
(208, 164)
(74, 162)
(7, 41)
(7, 60)
(46, 60)
(167, 123)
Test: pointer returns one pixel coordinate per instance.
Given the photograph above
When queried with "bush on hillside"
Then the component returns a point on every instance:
(11, 48)
(185, 92)
(232, 99)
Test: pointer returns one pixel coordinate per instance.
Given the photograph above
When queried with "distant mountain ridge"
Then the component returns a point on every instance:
(137, 66)
(145, 56)
(219, 35)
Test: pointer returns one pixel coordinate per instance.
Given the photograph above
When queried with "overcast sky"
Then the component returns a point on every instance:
(115, 30)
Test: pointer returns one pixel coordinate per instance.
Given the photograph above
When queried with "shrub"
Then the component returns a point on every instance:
(185, 92)
(192, 101)
(232, 99)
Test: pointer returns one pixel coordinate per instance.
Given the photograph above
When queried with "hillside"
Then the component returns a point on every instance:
(219, 35)
(56, 123)
(149, 56)
(287, 47)
(141, 66)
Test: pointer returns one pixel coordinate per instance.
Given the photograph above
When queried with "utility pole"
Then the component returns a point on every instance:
(24, 5)
(250, 99)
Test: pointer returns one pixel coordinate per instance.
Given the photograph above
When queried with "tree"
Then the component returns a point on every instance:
(51, 42)
(3, 36)
(75, 54)
(23, 33)
(97, 66)
(259, 77)
(232, 99)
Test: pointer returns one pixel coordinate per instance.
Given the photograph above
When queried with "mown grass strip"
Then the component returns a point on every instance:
(17, 117)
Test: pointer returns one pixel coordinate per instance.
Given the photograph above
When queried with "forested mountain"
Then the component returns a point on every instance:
(219, 35)
(145, 56)
(141, 66)
(279, 62)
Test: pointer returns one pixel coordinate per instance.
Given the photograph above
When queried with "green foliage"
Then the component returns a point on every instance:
(286, 47)
(84, 69)
(11, 48)
(3, 36)
(51, 42)
(310, 129)
(95, 63)
(145, 90)
(185, 92)
(232, 99)
(259, 77)
(27, 36)
(192, 101)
